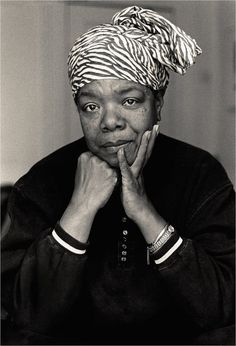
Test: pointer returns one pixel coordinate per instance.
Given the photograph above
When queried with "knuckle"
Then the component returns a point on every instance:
(105, 166)
(84, 155)
(110, 171)
(95, 160)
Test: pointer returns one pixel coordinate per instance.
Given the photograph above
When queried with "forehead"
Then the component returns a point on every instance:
(112, 86)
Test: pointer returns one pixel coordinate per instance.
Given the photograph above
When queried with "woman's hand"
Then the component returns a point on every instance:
(135, 201)
(133, 192)
(94, 183)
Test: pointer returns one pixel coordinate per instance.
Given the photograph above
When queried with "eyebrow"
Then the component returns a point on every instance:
(126, 90)
(86, 93)
(119, 92)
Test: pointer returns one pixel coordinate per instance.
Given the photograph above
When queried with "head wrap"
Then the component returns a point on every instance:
(138, 46)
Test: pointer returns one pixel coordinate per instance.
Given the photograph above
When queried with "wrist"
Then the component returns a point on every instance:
(165, 245)
(149, 222)
(85, 208)
(77, 221)
(67, 241)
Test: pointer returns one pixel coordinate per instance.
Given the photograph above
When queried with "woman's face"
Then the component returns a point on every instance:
(115, 114)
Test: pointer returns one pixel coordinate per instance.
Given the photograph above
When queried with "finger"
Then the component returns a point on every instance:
(140, 158)
(124, 167)
(154, 134)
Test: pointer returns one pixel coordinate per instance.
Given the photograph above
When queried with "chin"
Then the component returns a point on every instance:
(113, 161)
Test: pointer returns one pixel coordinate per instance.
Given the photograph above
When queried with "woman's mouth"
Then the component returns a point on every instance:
(114, 147)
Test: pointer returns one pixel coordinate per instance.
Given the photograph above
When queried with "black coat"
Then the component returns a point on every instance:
(56, 297)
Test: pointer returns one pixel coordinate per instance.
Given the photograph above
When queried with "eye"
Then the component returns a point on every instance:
(90, 107)
(130, 102)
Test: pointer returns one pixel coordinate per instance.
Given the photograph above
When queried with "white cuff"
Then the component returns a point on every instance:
(67, 246)
(169, 252)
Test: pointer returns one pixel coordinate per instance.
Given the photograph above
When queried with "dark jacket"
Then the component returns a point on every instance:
(56, 297)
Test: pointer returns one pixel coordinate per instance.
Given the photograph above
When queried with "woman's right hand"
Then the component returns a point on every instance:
(94, 183)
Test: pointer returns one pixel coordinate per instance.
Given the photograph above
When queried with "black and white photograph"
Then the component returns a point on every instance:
(117, 172)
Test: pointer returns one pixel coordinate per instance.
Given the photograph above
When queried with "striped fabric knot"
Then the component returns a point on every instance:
(139, 45)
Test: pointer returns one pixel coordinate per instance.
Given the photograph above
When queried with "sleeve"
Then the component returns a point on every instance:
(42, 279)
(198, 264)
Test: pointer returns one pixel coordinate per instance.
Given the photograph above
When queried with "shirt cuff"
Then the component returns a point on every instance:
(67, 241)
(168, 249)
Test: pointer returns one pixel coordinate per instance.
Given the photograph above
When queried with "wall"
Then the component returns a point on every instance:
(37, 111)
(34, 84)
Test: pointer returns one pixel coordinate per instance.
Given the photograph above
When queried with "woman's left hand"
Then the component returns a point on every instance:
(133, 193)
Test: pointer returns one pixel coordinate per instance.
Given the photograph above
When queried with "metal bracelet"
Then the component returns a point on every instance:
(155, 246)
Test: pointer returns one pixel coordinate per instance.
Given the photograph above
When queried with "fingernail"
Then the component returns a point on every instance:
(148, 134)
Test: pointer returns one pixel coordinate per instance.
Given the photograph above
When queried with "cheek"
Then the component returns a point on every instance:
(90, 132)
(87, 128)
(149, 116)
(143, 121)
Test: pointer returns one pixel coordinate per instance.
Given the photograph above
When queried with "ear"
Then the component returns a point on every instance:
(159, 101)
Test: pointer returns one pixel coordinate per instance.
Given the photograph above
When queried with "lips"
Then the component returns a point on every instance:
(115, 144)
(113, 147)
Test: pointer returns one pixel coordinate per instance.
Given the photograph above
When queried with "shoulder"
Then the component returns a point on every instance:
(53, 174)
(179, 150)
(185, 164)
(62, 156)
(181, 154)
(187, 180)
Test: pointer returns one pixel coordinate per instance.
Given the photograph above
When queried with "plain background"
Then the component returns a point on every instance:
(38, 114)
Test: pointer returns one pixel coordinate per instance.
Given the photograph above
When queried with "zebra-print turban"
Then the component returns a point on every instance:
(138, 46)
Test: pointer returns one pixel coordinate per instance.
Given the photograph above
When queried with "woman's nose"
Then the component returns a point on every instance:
(112, 119)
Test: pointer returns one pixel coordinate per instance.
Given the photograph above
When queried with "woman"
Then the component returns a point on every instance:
(125, 236)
